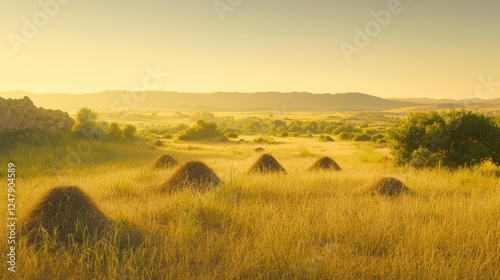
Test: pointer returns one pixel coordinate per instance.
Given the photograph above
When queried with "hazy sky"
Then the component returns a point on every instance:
(426, 49)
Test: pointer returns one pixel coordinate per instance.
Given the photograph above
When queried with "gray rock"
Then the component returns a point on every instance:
(22, 114)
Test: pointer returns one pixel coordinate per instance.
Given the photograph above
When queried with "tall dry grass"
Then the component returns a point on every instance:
(303, 225)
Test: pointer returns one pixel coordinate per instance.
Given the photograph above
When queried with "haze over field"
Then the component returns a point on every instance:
(276, 102)
(386, 48)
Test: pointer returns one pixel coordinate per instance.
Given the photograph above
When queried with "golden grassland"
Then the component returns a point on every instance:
(303, 225)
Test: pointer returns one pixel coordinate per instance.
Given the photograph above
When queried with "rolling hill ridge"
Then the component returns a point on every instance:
(218, 101)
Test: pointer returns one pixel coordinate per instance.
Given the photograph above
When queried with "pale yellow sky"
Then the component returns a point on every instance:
(425, 49)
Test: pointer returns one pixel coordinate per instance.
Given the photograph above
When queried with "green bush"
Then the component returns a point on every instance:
(458, 138)
(346, 136)
(113, 131)
(201, 131)
(264, 140)
(283, 134)
(167, 136)
(362, 137)
(349, 129)
(129, 131)
(377, 137)
(85, 121)
(231, 134)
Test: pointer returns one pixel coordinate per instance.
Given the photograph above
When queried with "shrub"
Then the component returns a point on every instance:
(231, 134)
(207, 116)
(347, 129)
(167, 136)
(283, 134)
(129, 131)
(377, 137)
(346, 136)
(304, 152)
(201, 131)
(264, 140)
(85, 121)
(362, 137)
(113, 131)
(457, 138)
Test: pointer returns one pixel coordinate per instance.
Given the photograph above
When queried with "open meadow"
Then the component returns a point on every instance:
(231, 139)
(299, 225)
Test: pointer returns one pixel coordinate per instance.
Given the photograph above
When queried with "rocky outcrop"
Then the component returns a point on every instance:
(22, 114)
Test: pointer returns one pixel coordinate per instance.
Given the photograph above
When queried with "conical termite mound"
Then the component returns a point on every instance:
(389, 186)
(266, 163)
(164, 161)
(223, 139)
(192, 174)
(158, 143)
(66, 215)
(326, 138)
(324, 163)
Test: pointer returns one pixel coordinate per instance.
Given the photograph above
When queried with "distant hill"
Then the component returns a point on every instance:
(219, 101)
(429, 101)
(429, 104)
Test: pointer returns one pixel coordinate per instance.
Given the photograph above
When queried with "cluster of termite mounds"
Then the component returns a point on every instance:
(198, 176)
(67, 216)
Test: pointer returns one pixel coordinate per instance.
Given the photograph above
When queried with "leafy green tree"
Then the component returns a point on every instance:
(206, 116)
(253, 127)
(277, 127)
(362, 137)
(113, 131)
(85, 121)
(201, 131)
(311, 126)
(346, 135)
(457, 138)
(231, 134)
(129, 131)
(377, 137)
